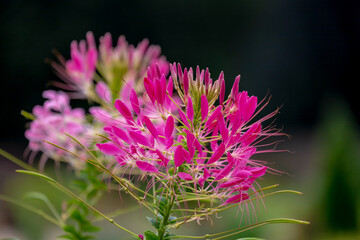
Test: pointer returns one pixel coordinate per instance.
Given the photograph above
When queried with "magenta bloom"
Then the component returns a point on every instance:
(78, 72)
(197, 138)
(53, 120)
(117, 69)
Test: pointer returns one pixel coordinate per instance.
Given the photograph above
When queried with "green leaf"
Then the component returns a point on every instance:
(42, 197)
(172, 219)
(149, 235)
(70, 229)
(154, 222)
(37, 175)
(66, 236)
(90, 228)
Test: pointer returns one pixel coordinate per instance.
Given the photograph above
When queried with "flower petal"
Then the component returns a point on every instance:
(178, 156)
(217, 154)
(185, 176)
(169, 127)
(123, 110)
(146, 167)
(204, 107)
(190, 110)
(109, 148)
(134, 102)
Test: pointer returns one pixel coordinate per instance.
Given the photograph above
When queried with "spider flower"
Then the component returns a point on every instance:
(200, 140)
(120, 68)
(52, 121)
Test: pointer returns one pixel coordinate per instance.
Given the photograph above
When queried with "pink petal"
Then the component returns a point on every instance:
(232, 183)
(243, 174)
(258, 171)
(102, 91)
(213, 116)
(169, 87)
(109, 148)
(222, 127)
(190, 110)
(120, 134)
(224, 172)
(190, 139)
(183, 118)
(169, 127)
(150, 126)
(217, 154)
(222, 88)
(237, 198)
(186, 82)
(146, 167)
(250, 108)
(186, 155)
(198, 146)
(149, 87)
(120, 160)
(139, 138)
(204, 107)
(207, 78)
(235, 88)
(251, 134)
(185, 176)
(123, 110)
(134, 102)
(169, 142)
(163, 87)
(178, 156)
(164, 160)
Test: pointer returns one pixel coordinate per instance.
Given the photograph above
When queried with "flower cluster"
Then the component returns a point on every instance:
(195, 139)
(99, 74)
(174, 127)
(117, 69)
(52, 121)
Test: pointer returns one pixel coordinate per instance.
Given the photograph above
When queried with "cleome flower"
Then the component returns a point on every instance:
(119, 68)
(52, 121)
(200, 141)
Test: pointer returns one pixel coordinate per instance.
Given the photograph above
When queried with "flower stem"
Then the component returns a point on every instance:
(164, 223)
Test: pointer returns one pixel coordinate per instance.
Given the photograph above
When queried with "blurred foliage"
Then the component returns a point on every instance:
(339, 206)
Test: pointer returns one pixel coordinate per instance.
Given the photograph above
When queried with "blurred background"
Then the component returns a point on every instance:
(304, 53)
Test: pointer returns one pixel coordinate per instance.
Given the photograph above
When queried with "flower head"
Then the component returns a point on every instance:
(192, 141)
(119, 68)
(52, 121)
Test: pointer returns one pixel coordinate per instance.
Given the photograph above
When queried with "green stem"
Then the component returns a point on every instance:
(165, 221)
(16, 161)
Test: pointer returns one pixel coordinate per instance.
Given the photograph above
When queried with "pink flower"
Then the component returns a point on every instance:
(53, 120)
(78, 72)
(190, 139)
(119, 68)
